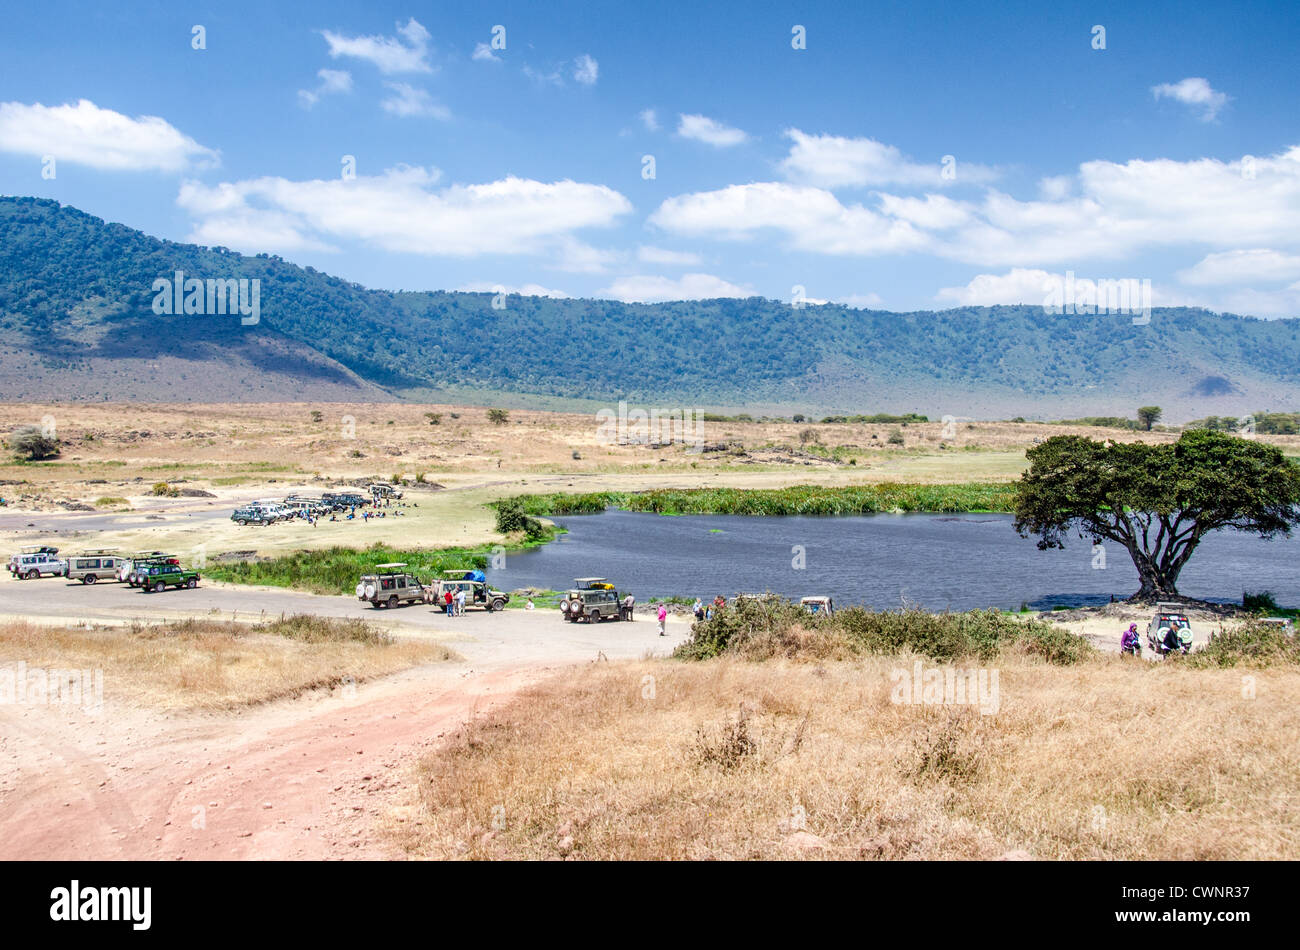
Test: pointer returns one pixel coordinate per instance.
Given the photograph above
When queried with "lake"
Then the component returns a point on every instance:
(938, 562)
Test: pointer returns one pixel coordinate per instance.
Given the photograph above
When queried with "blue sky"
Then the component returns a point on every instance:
(774, 167)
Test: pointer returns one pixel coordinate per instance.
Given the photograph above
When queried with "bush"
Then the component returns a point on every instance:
(895, 437)
(317, 416)
(110, 501)
(1259, 602)
(498, 417)
(165, 490)
(1250, 644)
(771, 626)
(31, 443)
(435, 418)
(512, 517)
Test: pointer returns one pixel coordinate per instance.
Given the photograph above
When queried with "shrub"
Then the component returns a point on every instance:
(317, 416)
(31, 443)
(895, 437)
(512, 517)
(1259, 602)
(1249, 644)
(109, 501)
(165, 490)
(498, 417)
(771, 626)
(435, 418)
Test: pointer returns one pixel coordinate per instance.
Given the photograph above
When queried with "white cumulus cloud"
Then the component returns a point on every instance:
(703, 129)
(644, 288)
(406, 101)
(585, 70)
(86, 134)
(832, 161)
(403, 210)
(1242, 267)
(405, 53)
(331, 81)
(1195, 92)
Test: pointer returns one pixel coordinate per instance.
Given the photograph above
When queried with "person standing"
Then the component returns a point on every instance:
(448, 601)
(663, 619)
(460, 602)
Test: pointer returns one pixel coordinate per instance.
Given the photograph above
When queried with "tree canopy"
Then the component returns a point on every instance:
(1158, 501)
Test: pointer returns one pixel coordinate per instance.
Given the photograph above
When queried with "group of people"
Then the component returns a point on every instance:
(455, 603)
(705, 612)
(1177, 639)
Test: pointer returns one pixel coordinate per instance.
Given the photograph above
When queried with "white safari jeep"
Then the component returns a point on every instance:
(390, 586)
(41, 564)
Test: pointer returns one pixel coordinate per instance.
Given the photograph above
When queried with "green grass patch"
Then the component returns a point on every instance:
(967, 497)
(761, 628)
(337, 570)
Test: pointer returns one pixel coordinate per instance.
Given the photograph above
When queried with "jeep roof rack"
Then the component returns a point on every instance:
(390, 567)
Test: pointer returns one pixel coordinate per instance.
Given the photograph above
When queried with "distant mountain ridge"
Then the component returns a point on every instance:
(76, 323)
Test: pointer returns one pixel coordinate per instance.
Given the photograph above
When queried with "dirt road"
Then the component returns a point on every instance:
(314, 777)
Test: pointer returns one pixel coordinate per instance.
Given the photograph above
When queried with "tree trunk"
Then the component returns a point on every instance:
(1157, 584)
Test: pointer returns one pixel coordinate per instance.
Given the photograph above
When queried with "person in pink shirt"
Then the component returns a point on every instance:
(663, 618)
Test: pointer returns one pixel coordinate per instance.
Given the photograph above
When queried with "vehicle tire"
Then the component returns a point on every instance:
(498, 604)
(89, 579)
(361, 591)
(159, 587)
(242, 522)
(192, 583)
(32, 575)
(392, 602)
(370, 592)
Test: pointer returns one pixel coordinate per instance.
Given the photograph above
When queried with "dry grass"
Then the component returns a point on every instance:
(215, 664)
(733, 760)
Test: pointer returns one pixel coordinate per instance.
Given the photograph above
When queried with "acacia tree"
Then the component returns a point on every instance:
(1158, 501)
(1148, 416)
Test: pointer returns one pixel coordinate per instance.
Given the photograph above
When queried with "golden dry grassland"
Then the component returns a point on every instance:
(215, 664)
(730, 759)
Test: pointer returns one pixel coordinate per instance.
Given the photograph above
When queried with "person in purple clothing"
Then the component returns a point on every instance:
(1129, 642)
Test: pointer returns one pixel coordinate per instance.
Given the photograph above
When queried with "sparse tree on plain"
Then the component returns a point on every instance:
(1156, 501)
(1148, 416)
(31, 443)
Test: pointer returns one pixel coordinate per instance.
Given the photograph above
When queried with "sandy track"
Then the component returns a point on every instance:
(314, 777)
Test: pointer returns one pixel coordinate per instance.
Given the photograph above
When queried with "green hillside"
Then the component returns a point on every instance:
(73, 288)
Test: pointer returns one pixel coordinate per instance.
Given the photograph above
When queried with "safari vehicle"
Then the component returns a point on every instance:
(593, 605)
(818, 605)
(90, 567)
(475, 585)
(573, 597)
(29, 550)
(384, 490)
(141, 565)
(1285, 624)
(252, 514)
(158, 577)
(39, 564)
(1166, 614)
(390, 586)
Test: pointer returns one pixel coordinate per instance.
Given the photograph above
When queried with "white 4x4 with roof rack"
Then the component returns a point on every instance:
(29, 549)
(38, 564)
(390, 586)
(90, 567)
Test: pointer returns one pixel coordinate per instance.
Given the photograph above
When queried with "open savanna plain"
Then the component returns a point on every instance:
(100, 490)
(249, 722)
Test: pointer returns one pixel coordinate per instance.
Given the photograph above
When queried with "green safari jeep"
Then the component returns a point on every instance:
(158, 578)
